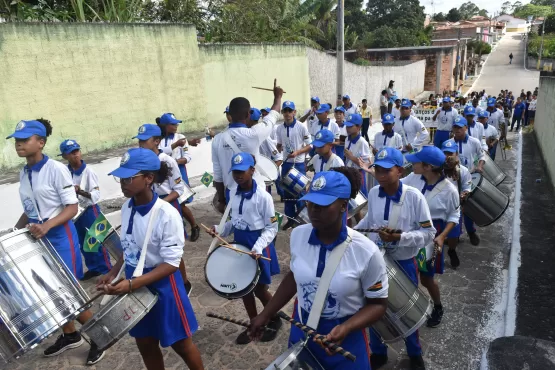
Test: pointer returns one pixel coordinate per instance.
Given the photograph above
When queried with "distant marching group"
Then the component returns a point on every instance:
(339, 275)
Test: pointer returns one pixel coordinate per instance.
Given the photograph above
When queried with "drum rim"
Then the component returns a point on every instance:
(496, 217)
(295, 350)
(234, 295)
(276, 166)
(414, 328)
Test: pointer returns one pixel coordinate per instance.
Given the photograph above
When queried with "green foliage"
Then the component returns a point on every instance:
(361, 62)
(468, 10)
(478, 47)
(550, 3)
(549, 24)
(506, 7)
(454, 15)
(439, 17)
(534, 45)
(483, 13)
(534, 10)
(397, 14)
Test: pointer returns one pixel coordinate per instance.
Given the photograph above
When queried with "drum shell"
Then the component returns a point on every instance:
(295, 188)
(187, 193)
(112, 243)
(38, 293)
(356, 205)
(407, 306)
(292, 359)
(485, 204)
(269, 167)
(492, 172)
(302, 216)
(118, 317)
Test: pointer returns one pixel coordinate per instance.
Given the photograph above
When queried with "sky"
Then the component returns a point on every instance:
(491, 6)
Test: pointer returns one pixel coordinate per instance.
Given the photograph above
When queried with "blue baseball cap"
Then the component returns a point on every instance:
(389, 157)
(68, 146)
(492, 102)
(428, 154)
(323, 108)
(26, 129)
(483, 114)
(346, 96)
(460, 121)
(388, 119)
(147, 131)
(136, 160)
(288, 105)
(469, 111)
(340, 109)
(241, 162)
(395, 98)
(226, 109)
(353, 120)
(447, 99)
(267, 109)
(328, 186)
(406, 103)
(315, 98)
(255, 114)
(322, 138)
(169, 119)
(450, 146)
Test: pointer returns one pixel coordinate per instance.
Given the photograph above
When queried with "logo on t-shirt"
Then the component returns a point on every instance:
(331, 307)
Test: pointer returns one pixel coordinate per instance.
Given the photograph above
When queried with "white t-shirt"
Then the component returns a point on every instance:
(413, 131)
(51, 187)
(477, 132)
(465, 180)
(172, 183)
(166, 242)
(383, 101)
(343, 130)
(496, 118)
(532, 105)
(470, 152)
(383, 141)
(359, 148)
(353, 109)
(331, 126)
(268, 149)
(396, 112)
(414, 221)
(361, 274)
(445, 119)
(247, 140)
(87, 181)
(253, 214)
(490, 132)
(177, 153)
(333, 162)
(293, 137)
(311, 119)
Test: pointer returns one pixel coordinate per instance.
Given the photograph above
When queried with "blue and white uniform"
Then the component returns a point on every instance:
(476, 130)
(359, 148)
(388, 140)
(445, 120)
(340, 149)
(412, 131)
(172, 183)
(470, 152)
(490, 132)
(318, 162)
(496, 117)
(351, 109)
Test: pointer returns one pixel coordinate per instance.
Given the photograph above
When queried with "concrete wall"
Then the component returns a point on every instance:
(544, 125)
(362, 82)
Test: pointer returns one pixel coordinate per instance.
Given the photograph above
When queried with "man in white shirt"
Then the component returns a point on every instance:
(444, 118)
(350, 108)
(243, 138)
(412, 130)
(387, 138)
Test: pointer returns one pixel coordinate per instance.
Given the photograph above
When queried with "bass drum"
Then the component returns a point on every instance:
(492, 172)
(485, 203)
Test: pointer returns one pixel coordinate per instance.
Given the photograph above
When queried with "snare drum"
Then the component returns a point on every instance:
(231, 274)
(38, 293)
(292, 359)
(112, 243)
(407, 306)
(492, 172)
(295, 182)
(302, 216)
(356, 205)
(118, 317)
(268, 169)
(485, 203)
(187, 193)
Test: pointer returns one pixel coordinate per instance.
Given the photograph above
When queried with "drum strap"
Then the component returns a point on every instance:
(235, 148)
(222, 222)
(329, 162)
(153, 214)
(322, 292)
(459, 180)
(396, 210)
(435, 191)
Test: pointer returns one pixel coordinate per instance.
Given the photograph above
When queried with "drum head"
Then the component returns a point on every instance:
(113, 243)
(231, 273)
(476, 180)
(271, 171)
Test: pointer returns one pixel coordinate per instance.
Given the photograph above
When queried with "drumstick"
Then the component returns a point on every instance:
(244, 323)
(312, 333)
(227, 245)
(100, 294)
(376, 231)
(263, 88)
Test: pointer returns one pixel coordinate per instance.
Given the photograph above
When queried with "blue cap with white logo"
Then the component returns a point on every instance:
(406, 103)
(315, 98)
(428, 154)
(288, 105)
(492, 102)
(241, 162)
(255, 114)
(346, 96)
(340, 109)
(68, 146)
(469, 111)
(353, 120)
(226, 109)
(389, 157)
(460, 122)
(326, 187)
(450, 146)
(322, 138)
(169, 119)
(447, 99)
(136, 160)
(388, 119)
(483, 114)
(147, 131)
(323, 109)
(26, 129)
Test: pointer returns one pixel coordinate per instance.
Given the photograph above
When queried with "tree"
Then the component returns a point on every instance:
(355, 17)
(483, 13)
(468, 10)
(550, 3)
(549, 24)
(506, 7)
(393, 13)
(532, 10)
(439, 17)
(454, 15)
(516, 5)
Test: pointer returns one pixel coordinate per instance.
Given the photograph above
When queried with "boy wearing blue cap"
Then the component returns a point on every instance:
(254, 225)
(339, 114)
(496, 116)
(443, 201)
(357, 150)
(396, 109)
(323, 123)
(357, 294)
(349, 107)
(310, 114)
(445, 118)
(152, 237)
(475, 129)
(412, 130)
(491, 135)
(85, 181)
(393, 206)
(387, 138)
(325, 158)
(49, 204)
(293, 138)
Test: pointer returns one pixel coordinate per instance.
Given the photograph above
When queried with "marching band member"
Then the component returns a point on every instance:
(387, 138)
(294, 138)
(496, 116)
(323, 123)
(339, 114)
(171, 321)
(475, 129)
(268, 149)
(49, 203)
(349, 107)
(459, 176)
(310, 114)
(177, 146)
(325, 158)
(443, 201)
(97, 263)
(357, 295)
(446, 116)
(254, 225)
(356, 149)
(396, 109)
(172, 188)
(412, 130)
(491, 135)
(471, 155)
(244, 138)
(394, 206)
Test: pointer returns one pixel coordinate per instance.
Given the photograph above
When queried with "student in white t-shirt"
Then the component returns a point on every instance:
(325, 159)
(171, 321)
(350, 108)
(387, 138)
(309, 116)
(491, 135)
(475, 129)
(396, 109)
(356, 297)
(412, 130)
(339, 114)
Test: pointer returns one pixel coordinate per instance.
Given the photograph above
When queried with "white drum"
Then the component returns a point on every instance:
(268, 169)
(187, 193)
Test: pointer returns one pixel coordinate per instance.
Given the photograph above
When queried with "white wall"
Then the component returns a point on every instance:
(544, 124)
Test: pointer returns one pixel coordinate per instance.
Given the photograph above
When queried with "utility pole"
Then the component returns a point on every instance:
(340, 46)
(458, 65)
(541, 45)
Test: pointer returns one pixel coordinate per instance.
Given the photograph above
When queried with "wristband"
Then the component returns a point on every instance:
(130, 285)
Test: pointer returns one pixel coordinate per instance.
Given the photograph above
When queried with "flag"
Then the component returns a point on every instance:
(92, 244)
(206, 179)
(421, 259)
(96, 234)
(279, 219)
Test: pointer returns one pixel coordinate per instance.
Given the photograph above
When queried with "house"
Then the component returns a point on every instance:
(513, 24)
